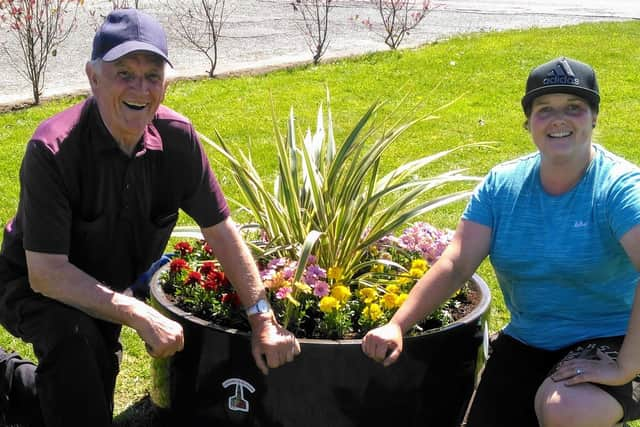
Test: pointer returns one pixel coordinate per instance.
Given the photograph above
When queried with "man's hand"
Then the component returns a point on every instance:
(383, 344)
(272, 342)
(162, 336)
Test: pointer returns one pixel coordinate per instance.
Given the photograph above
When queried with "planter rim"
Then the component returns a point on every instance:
(158, 293)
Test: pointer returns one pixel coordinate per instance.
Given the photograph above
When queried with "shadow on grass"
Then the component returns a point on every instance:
(141, 414)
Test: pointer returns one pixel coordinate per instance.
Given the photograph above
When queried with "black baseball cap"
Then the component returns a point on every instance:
(562, 75)
(129, 30)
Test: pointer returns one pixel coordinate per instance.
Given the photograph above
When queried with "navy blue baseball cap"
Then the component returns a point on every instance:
(129, 30)
(562, 75)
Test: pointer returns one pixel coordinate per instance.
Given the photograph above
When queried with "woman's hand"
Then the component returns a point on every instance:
(601, 370)
(383, 344)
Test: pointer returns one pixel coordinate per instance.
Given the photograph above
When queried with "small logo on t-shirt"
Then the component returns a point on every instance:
(580, 224)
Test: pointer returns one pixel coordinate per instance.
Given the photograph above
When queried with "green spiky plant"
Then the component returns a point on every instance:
(331, 200)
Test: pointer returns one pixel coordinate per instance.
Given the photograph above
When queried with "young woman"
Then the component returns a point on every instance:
(562, 230)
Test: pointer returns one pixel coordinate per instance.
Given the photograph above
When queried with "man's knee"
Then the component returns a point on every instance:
(63, 331)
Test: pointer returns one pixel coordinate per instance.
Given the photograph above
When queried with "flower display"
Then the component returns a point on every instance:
(322, 303)
(327, 229)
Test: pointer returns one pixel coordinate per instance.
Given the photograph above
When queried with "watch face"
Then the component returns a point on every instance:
(262, 306)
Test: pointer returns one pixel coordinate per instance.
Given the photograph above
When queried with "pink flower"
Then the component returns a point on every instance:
(321, 289)
(283, 292)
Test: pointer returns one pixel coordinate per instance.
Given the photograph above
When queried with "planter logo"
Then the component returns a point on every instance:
(237, 402)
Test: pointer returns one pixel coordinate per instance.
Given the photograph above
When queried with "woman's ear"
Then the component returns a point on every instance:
(525, 125)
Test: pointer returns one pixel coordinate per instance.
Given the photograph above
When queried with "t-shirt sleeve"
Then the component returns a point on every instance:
(46, 212)
(204, 201)
(624, 203)
(479, 209)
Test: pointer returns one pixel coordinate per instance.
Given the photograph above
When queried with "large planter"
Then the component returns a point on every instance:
(214, 380)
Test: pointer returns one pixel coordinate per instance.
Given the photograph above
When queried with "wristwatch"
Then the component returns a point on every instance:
(262, 306)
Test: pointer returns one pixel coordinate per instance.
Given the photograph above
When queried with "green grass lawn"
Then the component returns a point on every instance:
(486, 71)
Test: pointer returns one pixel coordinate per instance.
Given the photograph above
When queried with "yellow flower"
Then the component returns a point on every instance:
(303, 287)
(372, 312)
(292, 300)
(416, 273)
(277, 281)
(404, 279)
(328, 304)
(334, 273)
(420, 264)
(393, 289)
(389, 301)
(401, 298)
(368, 295)
(341, 293)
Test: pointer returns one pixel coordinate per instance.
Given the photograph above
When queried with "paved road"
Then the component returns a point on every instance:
(263, 34)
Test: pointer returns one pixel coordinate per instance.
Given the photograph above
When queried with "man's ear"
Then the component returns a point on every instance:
(91, 75)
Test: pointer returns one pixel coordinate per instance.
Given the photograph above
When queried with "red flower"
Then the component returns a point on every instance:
(207, 249)
(193, 278)
(211, 285)
(231, 298)
(219, 277)
(184, 248)
(178, 264)
(208, 267)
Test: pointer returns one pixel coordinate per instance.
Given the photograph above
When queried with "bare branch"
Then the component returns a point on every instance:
(199, 23)
(315, 24)
(39, 28)
(398, 17)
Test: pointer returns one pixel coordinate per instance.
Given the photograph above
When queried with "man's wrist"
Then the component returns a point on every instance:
(261, 306)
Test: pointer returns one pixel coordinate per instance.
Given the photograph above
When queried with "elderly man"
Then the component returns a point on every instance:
(101, 186)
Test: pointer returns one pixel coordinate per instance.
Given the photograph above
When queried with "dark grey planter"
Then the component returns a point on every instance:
(214, 380)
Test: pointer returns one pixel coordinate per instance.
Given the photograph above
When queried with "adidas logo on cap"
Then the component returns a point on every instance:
(562, 74)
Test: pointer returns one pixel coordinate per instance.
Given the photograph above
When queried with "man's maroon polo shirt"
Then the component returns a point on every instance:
(111, 214)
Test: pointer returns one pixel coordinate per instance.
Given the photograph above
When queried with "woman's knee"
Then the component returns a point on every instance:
(583, 405)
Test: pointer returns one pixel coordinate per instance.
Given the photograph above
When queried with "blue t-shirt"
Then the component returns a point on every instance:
(558, 259)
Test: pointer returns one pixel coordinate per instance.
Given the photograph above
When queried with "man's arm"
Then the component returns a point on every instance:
(53, 276)
(268, 338)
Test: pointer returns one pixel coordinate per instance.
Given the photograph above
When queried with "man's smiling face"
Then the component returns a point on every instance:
(128, 93)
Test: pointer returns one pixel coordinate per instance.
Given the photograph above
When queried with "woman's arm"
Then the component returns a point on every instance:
(627, 366)
(470, 245)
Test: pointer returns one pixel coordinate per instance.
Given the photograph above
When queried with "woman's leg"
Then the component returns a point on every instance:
(582, 405)
(506, 392)
(588, 404)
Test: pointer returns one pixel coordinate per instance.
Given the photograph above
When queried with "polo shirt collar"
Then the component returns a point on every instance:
(151, 139)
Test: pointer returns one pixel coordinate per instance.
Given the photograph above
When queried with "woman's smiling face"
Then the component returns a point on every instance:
(561, 126)
(128, 92)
